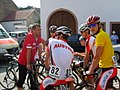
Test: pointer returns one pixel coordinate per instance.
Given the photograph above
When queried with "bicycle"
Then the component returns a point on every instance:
(83, 77)
(11, 75)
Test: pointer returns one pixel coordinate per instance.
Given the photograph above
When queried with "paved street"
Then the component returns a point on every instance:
(2, 72)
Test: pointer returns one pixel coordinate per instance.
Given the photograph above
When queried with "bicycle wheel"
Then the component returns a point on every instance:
(32, 82)
(26, 85)
(41, 73)
(6, 82)
(76, 80)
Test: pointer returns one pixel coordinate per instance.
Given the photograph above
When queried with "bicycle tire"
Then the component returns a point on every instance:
(8, 83)
(12, 70)
(41, 72)
(28, 82)
(32, 80)
(76, 80)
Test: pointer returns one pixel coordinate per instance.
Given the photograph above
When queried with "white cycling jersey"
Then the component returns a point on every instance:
(61, 55)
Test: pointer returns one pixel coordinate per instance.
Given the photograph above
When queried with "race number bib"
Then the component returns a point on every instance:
(68, 72)
(54, 71)
(114, 60)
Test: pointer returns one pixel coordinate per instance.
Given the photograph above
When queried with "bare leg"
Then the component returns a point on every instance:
(91, 81)
(19, 88)
(71, 86)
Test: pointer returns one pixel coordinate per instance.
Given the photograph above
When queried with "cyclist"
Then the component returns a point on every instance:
(32, 44)
(90, 48)
(82, 42)
(30, 28)
(52, 30)
(60, 54)
(90, 41)
(103, 56)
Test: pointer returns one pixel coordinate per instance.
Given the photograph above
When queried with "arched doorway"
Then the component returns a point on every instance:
(63, 17)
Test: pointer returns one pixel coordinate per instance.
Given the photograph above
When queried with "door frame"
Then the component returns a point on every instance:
(58, 10)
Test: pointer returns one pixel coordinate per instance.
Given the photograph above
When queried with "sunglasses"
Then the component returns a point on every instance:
(52, 31)
(81, 31)
(92, 25)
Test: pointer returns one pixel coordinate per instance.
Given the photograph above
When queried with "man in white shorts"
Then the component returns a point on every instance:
(59, 56)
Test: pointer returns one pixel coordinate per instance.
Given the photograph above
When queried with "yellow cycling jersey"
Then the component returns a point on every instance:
(103, 39)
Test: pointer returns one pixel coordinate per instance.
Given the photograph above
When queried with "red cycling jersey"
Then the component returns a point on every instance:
(29, 42)
(90, 44)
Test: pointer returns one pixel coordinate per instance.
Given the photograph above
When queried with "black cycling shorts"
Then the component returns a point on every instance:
(22, 75)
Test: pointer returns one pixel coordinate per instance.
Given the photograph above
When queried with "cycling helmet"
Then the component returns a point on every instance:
(84, 27)
(93, 19)
(64, 30)
(53, 28)
(81, 38)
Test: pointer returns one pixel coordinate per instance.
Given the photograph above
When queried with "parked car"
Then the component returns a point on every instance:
(7, 44)
(74, 42)
(117, 51)
(19, 36)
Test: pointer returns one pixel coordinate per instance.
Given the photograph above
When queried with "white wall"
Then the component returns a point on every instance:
(10, 26)
(108, 10)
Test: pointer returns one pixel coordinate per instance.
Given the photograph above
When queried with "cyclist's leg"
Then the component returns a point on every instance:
(110, 81)
(71, 84)
(105, 77)
(90, 80)
(22, 76)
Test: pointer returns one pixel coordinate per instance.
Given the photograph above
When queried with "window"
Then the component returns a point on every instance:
(115, 26)
(22, 34)
(3, 34)
(13, 35)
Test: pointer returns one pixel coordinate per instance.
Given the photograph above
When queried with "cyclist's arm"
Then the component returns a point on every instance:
(44, 44)
(86, 59)
(95, 61)
(79, 54)
(39, 51)
(28, 57)
(47, 59)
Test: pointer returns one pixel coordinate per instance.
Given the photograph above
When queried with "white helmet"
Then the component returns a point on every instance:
(53, 28)
(64, 30)
(84, 27)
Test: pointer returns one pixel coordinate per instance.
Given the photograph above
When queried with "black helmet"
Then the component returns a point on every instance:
(64, 30)
(53, 28)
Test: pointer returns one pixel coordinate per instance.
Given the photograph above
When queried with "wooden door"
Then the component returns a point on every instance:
(63, 18)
